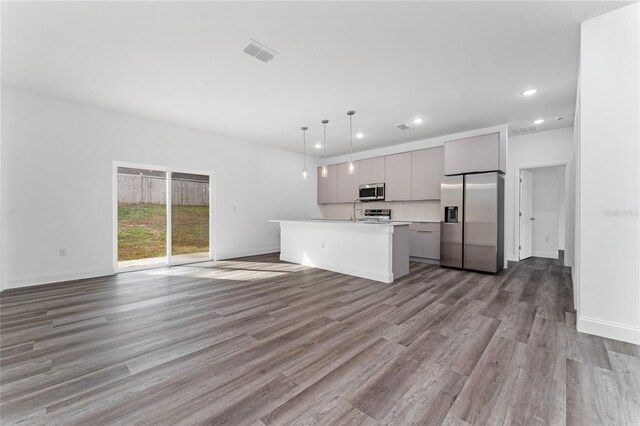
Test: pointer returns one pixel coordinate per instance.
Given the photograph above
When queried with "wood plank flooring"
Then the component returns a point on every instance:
(256, 341)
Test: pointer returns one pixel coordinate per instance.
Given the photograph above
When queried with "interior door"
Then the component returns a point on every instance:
(526, 219)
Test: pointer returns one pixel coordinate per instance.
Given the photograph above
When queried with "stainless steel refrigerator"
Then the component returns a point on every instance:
(472, 222)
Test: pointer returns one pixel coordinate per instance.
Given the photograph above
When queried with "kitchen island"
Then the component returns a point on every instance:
(375, 250)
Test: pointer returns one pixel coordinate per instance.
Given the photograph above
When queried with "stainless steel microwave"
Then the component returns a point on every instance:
(371, 191)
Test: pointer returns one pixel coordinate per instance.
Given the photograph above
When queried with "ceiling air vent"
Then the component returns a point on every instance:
(259, 51)
(403, 126)
(523, 130)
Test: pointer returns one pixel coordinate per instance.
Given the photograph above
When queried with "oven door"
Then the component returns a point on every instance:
(368, 192)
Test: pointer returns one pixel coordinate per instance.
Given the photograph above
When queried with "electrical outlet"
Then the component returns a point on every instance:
(546, 239)
(62, 252)
(322, 244)
(234, 208)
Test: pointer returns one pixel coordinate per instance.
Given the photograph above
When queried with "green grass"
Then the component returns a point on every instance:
(142, 230)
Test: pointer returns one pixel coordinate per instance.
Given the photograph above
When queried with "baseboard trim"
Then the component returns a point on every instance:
(545, 254)
(255, 252)
(39, 279)
(611, 330)
(341, 269)
(425, 260)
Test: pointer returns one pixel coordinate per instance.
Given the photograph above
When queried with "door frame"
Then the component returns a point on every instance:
(168, 170)
(516, 210)
(519, 183)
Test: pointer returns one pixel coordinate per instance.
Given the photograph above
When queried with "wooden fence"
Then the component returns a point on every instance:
(140, 189)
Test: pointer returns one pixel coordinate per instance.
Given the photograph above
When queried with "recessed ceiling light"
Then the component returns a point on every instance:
(202, 83)
(538, 121)
(530, 92)
(360, 135)
(418, 120)
(559, 118)
(318, 145)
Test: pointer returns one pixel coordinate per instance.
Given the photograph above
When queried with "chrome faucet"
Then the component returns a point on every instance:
(357, 200)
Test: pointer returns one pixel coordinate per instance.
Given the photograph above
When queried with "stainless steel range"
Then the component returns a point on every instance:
(377, 214)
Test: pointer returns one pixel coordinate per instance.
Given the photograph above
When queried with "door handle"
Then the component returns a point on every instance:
(533, 218)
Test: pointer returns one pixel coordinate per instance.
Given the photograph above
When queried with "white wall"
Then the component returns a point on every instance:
(57, 185)
(1, 214)
(551, 147)
(546, 210)
(609, 176)
(563, 200)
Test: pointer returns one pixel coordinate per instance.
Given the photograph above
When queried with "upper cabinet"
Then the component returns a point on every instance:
(485, 153)
(328, 186)
(322, 188)
(426, 173)
(371, 170)
(348, 184)
(409, 176)
(398, 177)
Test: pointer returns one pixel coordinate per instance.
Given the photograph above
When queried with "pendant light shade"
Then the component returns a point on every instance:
(352, 167)
(304, 152)
(325, 171)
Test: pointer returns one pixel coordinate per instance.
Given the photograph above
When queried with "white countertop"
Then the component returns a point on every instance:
(344, 222)
(425, 221)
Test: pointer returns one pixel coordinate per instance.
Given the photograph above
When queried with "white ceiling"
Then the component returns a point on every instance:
(459, 65)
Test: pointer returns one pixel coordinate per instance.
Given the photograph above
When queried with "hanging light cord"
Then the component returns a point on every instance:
(324, 142)
(350, 138)
(304, 151)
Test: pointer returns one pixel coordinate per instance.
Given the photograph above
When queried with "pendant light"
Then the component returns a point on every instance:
(352, 168)
(304, 152)
(325, 171)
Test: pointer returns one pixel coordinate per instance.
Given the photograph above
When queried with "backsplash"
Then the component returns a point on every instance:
(410, 211)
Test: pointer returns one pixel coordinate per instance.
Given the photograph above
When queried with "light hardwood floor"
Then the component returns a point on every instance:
(256, 341)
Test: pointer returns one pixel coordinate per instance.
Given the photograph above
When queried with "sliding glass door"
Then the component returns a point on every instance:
(190, 217)
(142, 217)
(163, 217)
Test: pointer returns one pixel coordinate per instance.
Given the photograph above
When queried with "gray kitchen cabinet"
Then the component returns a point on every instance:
(426, 173)
(322, 188)
(328, 186)
(424, 240)
(485, 153)
(416, 244)
(371, 170)
(347, 184)
(398, 177)
(431, 244)
(435, 166)
(332, 184)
